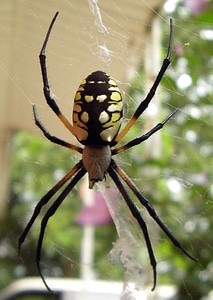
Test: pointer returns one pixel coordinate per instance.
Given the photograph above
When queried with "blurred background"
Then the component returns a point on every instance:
(174, 169)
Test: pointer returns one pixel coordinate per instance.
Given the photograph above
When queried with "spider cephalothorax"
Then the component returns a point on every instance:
(97, 117)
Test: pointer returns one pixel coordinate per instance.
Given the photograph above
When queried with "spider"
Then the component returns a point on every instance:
(97, 117)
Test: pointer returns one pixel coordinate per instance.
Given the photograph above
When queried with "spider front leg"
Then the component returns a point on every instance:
(52, 138)
(50, 101)
(145, 136)
(144, 104)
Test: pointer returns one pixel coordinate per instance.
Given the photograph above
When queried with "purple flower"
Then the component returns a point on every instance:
(196, 6)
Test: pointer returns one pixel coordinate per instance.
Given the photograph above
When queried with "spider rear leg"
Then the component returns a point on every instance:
(150, 209)
(50, 212)
(44, 200)
(139, 219)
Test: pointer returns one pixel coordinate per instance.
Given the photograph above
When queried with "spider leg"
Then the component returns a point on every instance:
(144, 104)
(139, 219)
(44, 200)
(149, 208)
(51, 138)
(50, 101)
(50, 212)
(144, 137)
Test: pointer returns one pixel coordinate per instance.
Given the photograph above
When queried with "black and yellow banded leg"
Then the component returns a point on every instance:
(52, 138)
(145, 136)
(44, 200)
(50, 212)
(144, 104)
(145, 202)
(136, 214)
(50, 101)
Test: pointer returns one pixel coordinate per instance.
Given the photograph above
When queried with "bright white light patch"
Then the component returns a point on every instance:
(191, 136)
(174, 185)
(170, 5)
(152, 110)
(184, 81)
(206, 34)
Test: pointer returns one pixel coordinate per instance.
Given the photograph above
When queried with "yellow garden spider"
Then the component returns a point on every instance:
(97, 117)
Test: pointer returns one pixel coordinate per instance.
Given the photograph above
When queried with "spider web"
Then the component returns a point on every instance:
(105, 57)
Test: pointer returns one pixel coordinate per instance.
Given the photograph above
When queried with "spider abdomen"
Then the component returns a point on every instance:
(98, 110)
(96, 161)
